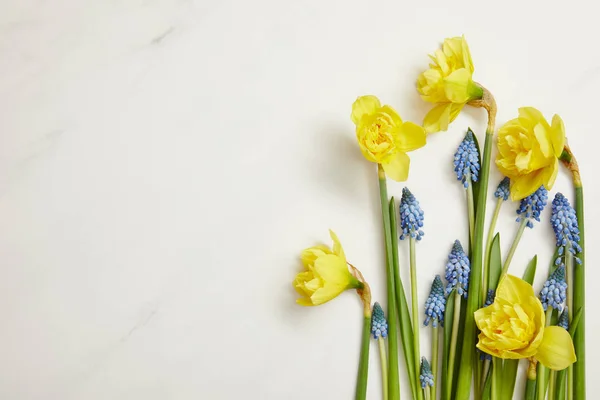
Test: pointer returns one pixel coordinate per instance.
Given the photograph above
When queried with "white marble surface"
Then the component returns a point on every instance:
(162, 163)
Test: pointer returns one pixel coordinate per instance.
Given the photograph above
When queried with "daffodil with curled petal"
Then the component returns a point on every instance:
(384, 138)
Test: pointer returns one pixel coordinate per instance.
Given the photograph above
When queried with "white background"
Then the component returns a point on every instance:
(163, 163)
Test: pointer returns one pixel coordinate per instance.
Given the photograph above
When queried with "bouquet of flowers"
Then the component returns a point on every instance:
(500, 318)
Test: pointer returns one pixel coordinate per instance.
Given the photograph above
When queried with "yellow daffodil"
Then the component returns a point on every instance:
(529, 148)
(384, 138)
(448, 83)
(513, 327)
(326, 274)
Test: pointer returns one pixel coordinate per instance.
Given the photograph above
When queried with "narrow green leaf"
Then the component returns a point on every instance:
(509, 378)
(579, 299)
(529, 274)
(448, 317)
(363, 365)
(495, 263)
(476, 185)
(575, 322)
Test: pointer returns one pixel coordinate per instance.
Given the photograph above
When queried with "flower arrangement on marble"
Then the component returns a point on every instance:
(497, 316)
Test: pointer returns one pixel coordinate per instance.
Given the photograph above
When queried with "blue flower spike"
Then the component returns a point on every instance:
(491, 294)
(554, 291)
(563, 320)
(411, 216)
(379, 326)
(532, 205)
(466, 160)
(503, 189)
(426, 376)
(458, 270)
(566, 228)
(435, 305)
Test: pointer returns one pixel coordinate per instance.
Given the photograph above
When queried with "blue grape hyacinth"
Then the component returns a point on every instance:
(379, 324)
(466, 160)
(458, 270)
(563, 320)
(503, 189)
(554, 291)
(566, 229)
(532, 205)
(411, 216)
(435, 305)
(491, 294)
(426, 376)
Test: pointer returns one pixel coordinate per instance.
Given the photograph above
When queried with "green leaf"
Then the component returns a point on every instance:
(495, 263)
(448, 317)
(509, 378)
(529, 274)
(476, 184)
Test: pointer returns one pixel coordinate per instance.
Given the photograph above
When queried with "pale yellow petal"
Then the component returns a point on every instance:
(550, 173)
(337, 246)
(514, 290)
(397, 167)
(556, 350)
(524, 185)
(392, 114)
(531, 114)
(542, 134)
(411, 137)
(304, 301)
(333, 270)
(457, 85)
(364, 105)
(557, 135)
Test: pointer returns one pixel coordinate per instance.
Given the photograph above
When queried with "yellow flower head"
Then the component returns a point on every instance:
(513, 327)
(384, 138)
(326, 274)
(448, 83)
(528, 154)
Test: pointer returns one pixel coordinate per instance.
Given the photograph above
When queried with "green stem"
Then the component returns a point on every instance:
(552, 385)
(471, 211)
(415, 302)
(495, 375)
(569, 276)
(514, 246)
(363, 365)
(486, 370)
(578, 368)
(403, 312)
(384, 367)
(465, 375)
(454, 338)
(393, 375)
(530, 389)
(541, 374)
(427, 393)
(434, 359)
(488, 248)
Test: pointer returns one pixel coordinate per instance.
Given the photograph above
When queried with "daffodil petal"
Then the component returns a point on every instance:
(411, 137)
(556, 350)
(333, 270)
(364, 105)
(457, 85)
(542, 134)
(524, 185)
(557, 135)
(397, 167)
(337, 246)
(550, 173)
(530, 114)
(514, 290)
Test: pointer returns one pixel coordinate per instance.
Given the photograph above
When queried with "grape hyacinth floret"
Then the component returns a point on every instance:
(379, 325)
(566, 228)
(411, 216)
(466, 160)
(554, 292)
(503, 189)
(532, 205)
(458, 269)
(563, 320)
(491, 294)
(426, 376)
(435, 305)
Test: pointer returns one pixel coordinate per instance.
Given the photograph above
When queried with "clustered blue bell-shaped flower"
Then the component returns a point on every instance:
(379, 325)
(466, 160)
(503, 189)
(458, 270)
(411, 216)
(435, 305)
(491, 294)
(532, 205)
(563, 320)
(554, 291)
(566, 228)
(426, 376)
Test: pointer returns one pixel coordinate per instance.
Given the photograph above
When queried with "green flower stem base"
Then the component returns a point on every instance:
(403, 313)
(530, 389)
(488, 249)
(427, 393)
(393, 375)
(471, 211)
(415, 305)
(384, 367)
(541, 374)
(514, 246)
(465, 375)
(569, 276)
(363, 365)
(435, 336)
(454, 338)
(496, 371)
